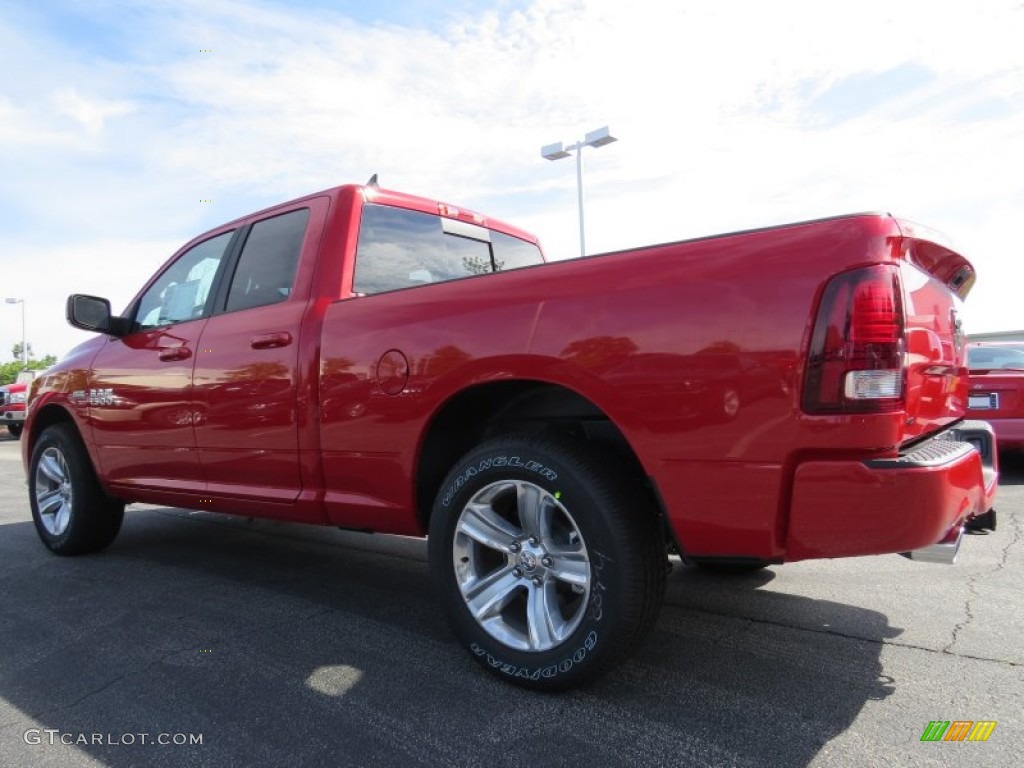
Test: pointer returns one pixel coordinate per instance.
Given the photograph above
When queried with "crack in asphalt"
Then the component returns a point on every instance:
(973, 581)
(861, 638)
(969, 614)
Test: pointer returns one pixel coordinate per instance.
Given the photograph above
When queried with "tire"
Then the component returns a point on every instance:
(15, 429)
(73, 515)
(547, 559)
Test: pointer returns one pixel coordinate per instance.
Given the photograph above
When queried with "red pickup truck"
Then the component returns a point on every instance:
(12, 402)
(376, 361)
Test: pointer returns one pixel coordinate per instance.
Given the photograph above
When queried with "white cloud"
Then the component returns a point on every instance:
(44, 276)
(730, 114)
(92, 113)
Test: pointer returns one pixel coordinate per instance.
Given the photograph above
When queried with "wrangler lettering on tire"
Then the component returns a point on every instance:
(547, 559)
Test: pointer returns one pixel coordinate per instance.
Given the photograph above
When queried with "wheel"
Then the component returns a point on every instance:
(548, 560)
(72, 514)
(14, 429)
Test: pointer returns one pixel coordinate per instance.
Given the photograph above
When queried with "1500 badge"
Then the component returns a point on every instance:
(94, 396)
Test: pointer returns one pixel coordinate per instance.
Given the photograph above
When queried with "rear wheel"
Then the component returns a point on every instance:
(71, 512)
(14, 429)
(549, 562)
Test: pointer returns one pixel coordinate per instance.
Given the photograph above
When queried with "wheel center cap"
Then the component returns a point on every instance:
(528, 560)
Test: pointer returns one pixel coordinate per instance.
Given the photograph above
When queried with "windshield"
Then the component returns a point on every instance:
(989, 358)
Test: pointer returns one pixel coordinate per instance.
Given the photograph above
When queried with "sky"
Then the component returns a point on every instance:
(127, 128)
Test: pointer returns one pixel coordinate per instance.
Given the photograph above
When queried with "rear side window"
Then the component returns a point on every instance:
(399, 248)
(268, 262)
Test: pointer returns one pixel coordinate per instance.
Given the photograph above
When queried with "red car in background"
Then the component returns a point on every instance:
(996, 392)
(12, 402)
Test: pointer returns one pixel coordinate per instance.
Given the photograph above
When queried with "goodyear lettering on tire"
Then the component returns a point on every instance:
(563, 666)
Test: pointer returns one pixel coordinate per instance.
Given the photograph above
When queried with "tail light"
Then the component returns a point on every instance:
(856, 359)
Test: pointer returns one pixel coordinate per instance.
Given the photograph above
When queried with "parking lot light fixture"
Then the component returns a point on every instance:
(599, 138)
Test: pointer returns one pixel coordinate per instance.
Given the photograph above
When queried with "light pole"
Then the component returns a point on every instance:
(595, 139)
(24, 348)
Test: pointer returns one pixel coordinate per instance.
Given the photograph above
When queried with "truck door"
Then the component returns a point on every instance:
(247, 378)
(140, 385)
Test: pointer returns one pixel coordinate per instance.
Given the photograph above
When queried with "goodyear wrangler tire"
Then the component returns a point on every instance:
(72, 514)
(549, 562)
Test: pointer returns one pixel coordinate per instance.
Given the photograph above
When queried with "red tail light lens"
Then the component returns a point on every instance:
(856, 360)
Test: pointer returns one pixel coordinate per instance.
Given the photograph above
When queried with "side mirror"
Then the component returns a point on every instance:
(91, 313)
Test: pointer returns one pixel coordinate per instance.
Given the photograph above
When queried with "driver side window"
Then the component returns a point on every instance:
(181, 292)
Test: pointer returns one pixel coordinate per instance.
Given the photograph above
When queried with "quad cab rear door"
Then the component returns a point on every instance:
(249, 391)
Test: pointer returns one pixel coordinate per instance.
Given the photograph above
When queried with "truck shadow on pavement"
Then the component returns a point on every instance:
(1011, 469)
(283, 645)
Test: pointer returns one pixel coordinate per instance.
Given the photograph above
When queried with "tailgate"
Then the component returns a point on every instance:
(935, 280)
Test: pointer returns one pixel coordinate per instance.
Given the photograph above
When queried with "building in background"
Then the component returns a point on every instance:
(997, 336)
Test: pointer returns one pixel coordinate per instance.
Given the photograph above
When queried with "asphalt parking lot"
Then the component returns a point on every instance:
(281, 645)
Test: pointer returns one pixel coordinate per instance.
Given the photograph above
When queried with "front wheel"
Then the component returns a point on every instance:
(72, 513)
(549, 562)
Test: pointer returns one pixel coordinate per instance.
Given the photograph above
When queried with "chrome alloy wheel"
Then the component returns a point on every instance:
(521, 565)
(53, 491)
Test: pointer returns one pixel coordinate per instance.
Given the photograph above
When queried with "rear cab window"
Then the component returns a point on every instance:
(401, 248)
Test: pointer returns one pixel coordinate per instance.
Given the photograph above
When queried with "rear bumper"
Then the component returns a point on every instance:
(903, 504)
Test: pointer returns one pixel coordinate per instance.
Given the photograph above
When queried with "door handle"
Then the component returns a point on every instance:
(175, 353)
(271, 340)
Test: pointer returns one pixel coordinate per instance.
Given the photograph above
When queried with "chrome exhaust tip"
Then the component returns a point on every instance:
(944, 552)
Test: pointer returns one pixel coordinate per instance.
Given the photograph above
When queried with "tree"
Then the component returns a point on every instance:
(16, 351)
(9, 371)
